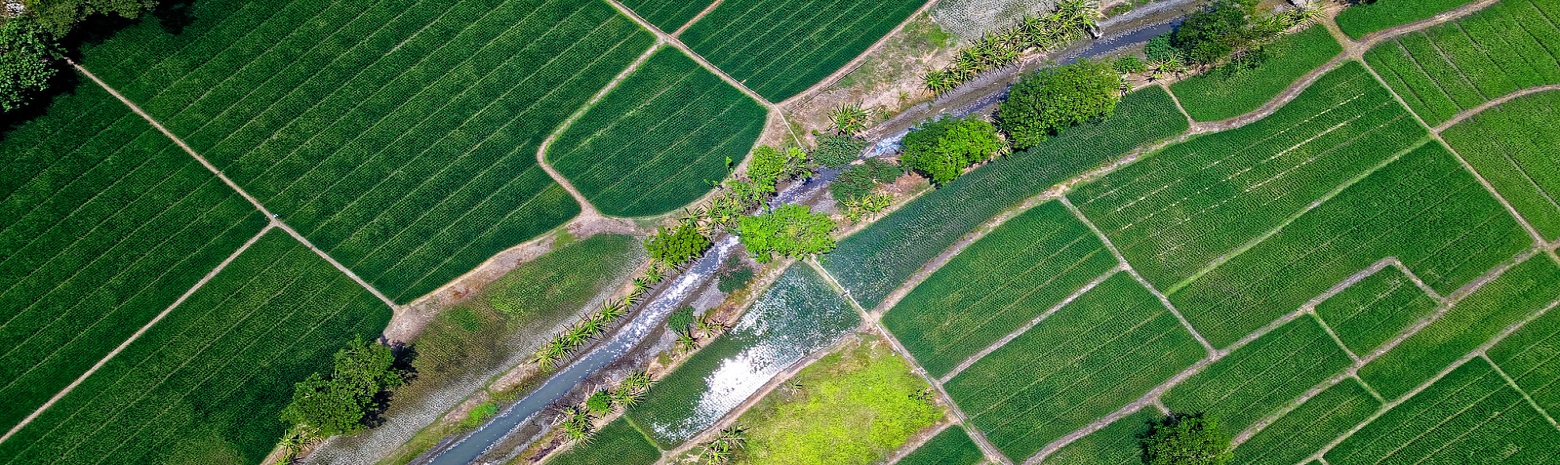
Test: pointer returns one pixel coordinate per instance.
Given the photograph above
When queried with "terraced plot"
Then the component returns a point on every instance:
(996, 286)
(1512, 146)
(618, 443)
(1365, 18)
(206, 384)
(1423, 208)
(1374, 310)
(1306, 429)
(779, 49)
(1093, 356)
(1259, 379)
(1529, 356)
(1116, 444)
(667, 15)
(1457, 66)
(399, 138)
(952, 446)
(104, 223)
(1226, 92)
(659, 140)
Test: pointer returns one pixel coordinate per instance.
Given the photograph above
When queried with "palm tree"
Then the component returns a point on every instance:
(686, 342)
(850, 119)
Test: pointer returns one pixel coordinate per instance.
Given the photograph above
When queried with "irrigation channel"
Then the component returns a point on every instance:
(1135, 27)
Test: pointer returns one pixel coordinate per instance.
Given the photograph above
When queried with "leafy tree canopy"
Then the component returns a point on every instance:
(27, 61)
(1046, 103)
(943, 148)
(790, 231)
(60, 17)
(342, 402)
(769, 166)
(676, 246)
(1185, 439)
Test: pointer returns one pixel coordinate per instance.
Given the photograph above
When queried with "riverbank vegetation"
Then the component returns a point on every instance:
(1071, 20)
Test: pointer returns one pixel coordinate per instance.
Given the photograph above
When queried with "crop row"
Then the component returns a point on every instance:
(1364, 18)
(667, 15)
(1528, 355)
(105, 224)
(1457, 66)
(1374, 310)
(996, 285)
(1422, 208)
(1306, 429)
(1229, 92)
(779, 49)
(1173, 213)
(1115, 444)
(659, 140)
(1517, 156)
(875, 260)
(618, 443)
(210, 379)
(1088, 359)
(952, 446)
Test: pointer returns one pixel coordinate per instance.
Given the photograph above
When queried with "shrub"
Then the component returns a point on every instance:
(735, 277)
(1185, 439)
(1159, 50)
(858, 181)
(600, 402)
(1129, 64)
(1046, 103)
(836, 150)
(676, 246)
(479, 414)
(850, 119)
(943, 148)
(791, 231)
(27, 55)
(680, 320)
(343, 402)
(769, 166)
(1212, 33)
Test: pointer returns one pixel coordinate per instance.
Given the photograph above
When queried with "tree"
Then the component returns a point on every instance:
(60, 17)
(1211, 34)
(943, 148)
(342, 402)
(1185, 439)
(790, 231)
(1046, 103)
(677, 245)
(769, 166)
(27, 61)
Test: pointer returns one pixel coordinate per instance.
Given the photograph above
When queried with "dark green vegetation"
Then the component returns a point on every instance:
(344, 400)
(1471, 416)
(836, 150)
(1186, 439)
(660, 139)
(791, 231)
(997, 285)
(1529, 357)
(943, 149)
(1046, 103)
(667, 15)
(1258, 379)
(1374, 310)
(106, 224)
(857, 182)
(1456, 66)
(1304, 430)
(875, 260)
(950, 447)
(207, 383)
(27, 62)
(769, 166)
(1234, 90)
(1115, 444)
(1512, 145)
(1074, 366)
(1228, 31)
(618, 443)
(779, 49)
(674, 246)
(1367, 16)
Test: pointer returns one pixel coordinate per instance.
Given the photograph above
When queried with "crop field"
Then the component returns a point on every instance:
(1258, 379)
(1365, 18)
(659, 140)
(104, 223)
(1309, 427)
(779, 49)
(1116, 444)
(206, 383)
(1456, 66)
(667, 15)
(1471, 416)
(1073, 368)
(1529, 356)
(997, 285)
(1175, 212)
(1222, 94)
(618, 443)
(1517, 156)
(1374, 310)
(1423, 208)
(874, 261)
(1520, 291)
(400, 139)
(952, 446)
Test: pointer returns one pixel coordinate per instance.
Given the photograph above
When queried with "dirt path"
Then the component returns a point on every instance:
(968, 361)
(1469, 113)
(702, 13)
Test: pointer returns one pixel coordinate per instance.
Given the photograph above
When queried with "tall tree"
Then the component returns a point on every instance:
(28, 56)
(943, 148)
(1046, 103)
(1185, 439)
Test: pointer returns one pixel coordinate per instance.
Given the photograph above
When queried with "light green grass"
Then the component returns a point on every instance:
(952, 446)
(1260, 378)
(1306, 429)
(1116, 444)
(1513, 147)
(1224, 93)
(618, 443)
(1376, 309)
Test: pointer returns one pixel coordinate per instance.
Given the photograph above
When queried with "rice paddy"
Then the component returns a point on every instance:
(1231, 91)
(1513, 148)
(1365, 18)
(1310, 426)
(952, 446)
(1374, 310)
(1256, 380)
(1115, 444)
(618, 443)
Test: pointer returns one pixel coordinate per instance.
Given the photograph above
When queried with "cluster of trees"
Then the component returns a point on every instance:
(1070, 20)
(347, 399)
(942, 149)
(578, 422)
(1227, 33)
(30, 51)
(1185, 439)
(789, 231)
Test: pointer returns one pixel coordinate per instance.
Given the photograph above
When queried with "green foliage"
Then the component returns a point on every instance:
(599, 402)
(479, 414)
(944, 148)
(1046, 103)
(1243, 86)
(1129, 65)
(850, 119)
(27, 61)
(1160, 50)
(1211, 34)
(1185, 439)
(836, 150)
(672, 247)
(1068, 22)
(770, 166)
(789, 231)
(681, 320)
(618, 443)
(858, 181)
(60, 17)
(341, 402)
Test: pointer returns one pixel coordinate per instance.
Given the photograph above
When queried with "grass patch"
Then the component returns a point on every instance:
(1376, 309)
(1309, 427)
(1116, 444)
(952, 446)
(1224, 93)
(1365, 18)
(618, 443)
(1517, 156)
(1262, 377)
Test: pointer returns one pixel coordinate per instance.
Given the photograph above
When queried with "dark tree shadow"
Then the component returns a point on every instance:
(174, 15)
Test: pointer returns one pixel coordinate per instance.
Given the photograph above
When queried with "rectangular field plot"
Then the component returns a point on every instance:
(1258, 379)
(104, 223)
(1518, 293)
(1424, 209)
(400, 138)
(1375, 309)
(1176, 211)
(997, 285)
(1094, 356)
(1116, 444)
(952, 446)
(874, 261)
(1457, 66)
(1513, 147)
(1309, 427)
(667, 15)
(1532, 357)
(1471, 416)
(1365, 18)
(618, 443)
(207, 382)
(1223, 93)
(658, 140)
(779, 49)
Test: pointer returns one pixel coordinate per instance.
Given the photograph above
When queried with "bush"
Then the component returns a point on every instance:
(345, 401)
(943, 148)
(1159, 50)
(836, 150)
(1046, 103)
(770, 166)
(1211, 34)
(676, 246)
(791, 231)
(1185, 439)
(858, 181)
(735, 277)
(1129, 64)
(27, 56)
(680, 320)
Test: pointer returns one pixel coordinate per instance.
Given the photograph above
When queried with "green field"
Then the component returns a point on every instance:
(1175, 212)
(660, 140)
(1471, 416)
(667, 15)
(1374, 310)
(997, 285)
(1365, 18)
(1306, 429)
(399, 138)
(104, 224)
(1424, 209)
(1529, 356)
(1093, 356)
(952, 446)
(1225, 93)
(874, 261)
(618, 443)
(779, 49)
(206, 384)
(1259, 379)
(1516, 155)
(1457, 66)
(1115, 444)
